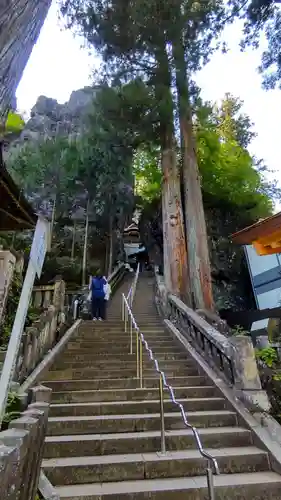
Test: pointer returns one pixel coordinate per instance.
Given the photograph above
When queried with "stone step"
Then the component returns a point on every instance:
(123, 358)
(121, 343)
(259, 485)
(87, 396)
(97, 327)
(115, 350)
(120, 383)
(122, 340)
(142, 320)
(143, 442)
(185, 463)
(109, 335)
(131, 407)
(117, 364)
(59, 426)
(92, 373)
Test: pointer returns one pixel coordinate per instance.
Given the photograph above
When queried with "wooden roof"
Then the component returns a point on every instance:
(15, 212)
(262, 228)
(264, 235)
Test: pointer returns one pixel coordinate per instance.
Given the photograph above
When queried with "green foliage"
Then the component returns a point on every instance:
(66, 177)
(268, 356)
(69, 269)
(262, 17)
(148, 174)
(95, 165)
(228, 172)
(11, 308)
(239, 331)
(13, 409)
(232, 123)
(14, 124)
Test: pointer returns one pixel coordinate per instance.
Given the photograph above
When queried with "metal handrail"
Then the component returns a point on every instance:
(132, 291)
(130, 299)
(140, 341)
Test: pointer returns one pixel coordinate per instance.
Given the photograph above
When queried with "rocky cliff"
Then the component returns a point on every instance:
(48, 118)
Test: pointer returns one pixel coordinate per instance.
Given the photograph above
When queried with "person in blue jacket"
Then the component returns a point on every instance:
(98, 297)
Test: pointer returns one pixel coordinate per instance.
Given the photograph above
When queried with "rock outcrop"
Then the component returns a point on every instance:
(48, 118)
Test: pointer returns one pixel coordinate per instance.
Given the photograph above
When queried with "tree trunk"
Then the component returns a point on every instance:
(84, 264)
(53, 220)
(20, 25)
(174, 247)
(73, 241)
(110, 253)
(196, 232)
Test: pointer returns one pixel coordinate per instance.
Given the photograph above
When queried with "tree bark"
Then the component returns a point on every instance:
(110, 253)
(20, 25)
(174, 247)
(73, 241)
(196, 232)
(84, 264)
(53, 219)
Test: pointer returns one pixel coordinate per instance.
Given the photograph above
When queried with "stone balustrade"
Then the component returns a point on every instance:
(38, 339)
(42, 296)
(21, 449)
(233, 357)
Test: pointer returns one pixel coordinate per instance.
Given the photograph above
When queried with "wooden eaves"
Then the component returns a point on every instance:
(16, 213)
(264, 235)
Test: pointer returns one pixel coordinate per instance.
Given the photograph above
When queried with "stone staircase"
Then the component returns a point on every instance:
(104, 431)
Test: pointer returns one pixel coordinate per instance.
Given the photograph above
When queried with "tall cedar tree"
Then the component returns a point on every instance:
(154, 39)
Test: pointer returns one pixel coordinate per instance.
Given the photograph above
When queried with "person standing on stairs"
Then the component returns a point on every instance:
(98, 288)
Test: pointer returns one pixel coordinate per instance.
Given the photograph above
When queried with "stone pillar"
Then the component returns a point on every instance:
(19, 265)
(247, 379)
(59, 298)
(7, 265)
(262, 342)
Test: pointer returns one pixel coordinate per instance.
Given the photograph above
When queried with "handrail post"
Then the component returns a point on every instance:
(141, 361)
(162, 416)
(126, 319)
(210, 481)
(131, 335)
(123, 307)
(137, 354)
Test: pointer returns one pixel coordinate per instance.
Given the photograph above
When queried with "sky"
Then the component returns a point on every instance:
(60, 64)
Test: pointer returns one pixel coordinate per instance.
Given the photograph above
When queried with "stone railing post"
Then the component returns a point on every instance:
(21, 449)
(59, 299)
(161, 296)
(246, 375)
(7, 265)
